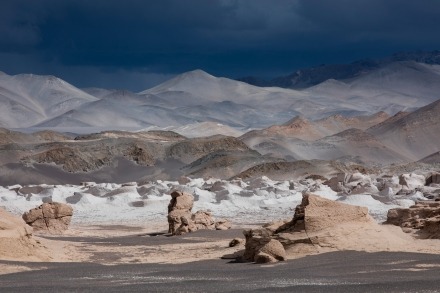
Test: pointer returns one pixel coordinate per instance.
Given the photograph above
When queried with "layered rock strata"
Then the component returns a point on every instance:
(423, 216)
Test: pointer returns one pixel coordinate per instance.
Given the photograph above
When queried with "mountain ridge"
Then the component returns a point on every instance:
(194, 97)
(310, 76)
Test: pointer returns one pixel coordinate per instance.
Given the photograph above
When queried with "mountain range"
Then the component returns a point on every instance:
(311, 76)
(46, 102)
(201, 125)
(299, 146)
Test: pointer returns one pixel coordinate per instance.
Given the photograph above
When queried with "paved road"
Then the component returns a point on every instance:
(331, 272)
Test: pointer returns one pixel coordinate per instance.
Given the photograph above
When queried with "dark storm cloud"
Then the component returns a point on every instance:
(361, 20)
(225, 37)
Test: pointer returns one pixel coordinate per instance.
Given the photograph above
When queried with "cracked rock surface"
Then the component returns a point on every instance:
(52, 217)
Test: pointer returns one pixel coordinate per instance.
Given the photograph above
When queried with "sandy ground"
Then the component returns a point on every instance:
(124, 244)
(117, 244)
(342, 272)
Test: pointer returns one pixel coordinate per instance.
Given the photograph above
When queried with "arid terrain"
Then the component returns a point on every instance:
(374, 142)
(208, 173)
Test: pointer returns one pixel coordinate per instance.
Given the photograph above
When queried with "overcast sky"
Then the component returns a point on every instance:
(135, 44)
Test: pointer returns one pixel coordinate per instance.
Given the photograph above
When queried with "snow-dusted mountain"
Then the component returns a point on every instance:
(205, 88)
(27, 99)
(398, 86)
(307, 77)
(117, 113)
(206, 129)
(196, 96)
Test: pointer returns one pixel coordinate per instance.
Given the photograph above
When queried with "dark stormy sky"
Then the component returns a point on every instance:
(135, 44)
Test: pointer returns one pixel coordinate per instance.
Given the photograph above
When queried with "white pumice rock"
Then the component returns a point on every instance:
(260, 199)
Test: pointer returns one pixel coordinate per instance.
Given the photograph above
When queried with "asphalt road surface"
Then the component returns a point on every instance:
(330, 272)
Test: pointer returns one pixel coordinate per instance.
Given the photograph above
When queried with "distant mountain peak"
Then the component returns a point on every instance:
(381, 114)
(185, 80)
(352, 134)
(197, 73)
(311, 76)
(428, 57)
(297, 122)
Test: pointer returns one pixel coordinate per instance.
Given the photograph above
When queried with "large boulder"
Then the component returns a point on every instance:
(52, 217)
(179, 212)
(203, 220)
(351, 183)
(322, 225)
(337, 183)
(358, 179)
(186, 226)
(320, 213)
(411, 181)
(434, 178)
(181, 220)
(260, 247)
(424, 216)
(181, 201)
(16, 241)
(388, 185)
(318, 225)
(175, 220)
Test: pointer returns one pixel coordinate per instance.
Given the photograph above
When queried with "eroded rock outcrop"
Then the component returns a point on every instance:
(434, 178)
(52, 217)
(351, 183)
(319, 222)
(179, 212)
(203, 220)
(181, 220)
(318, 225)
(424, 216)
(411, 181)
(260, 247)
(16, 241)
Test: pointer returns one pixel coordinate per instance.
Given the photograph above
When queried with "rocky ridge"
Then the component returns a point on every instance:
(307, 77)
(311, 130)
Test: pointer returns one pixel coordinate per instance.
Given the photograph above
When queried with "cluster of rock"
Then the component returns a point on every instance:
(53, 217)
(254, 199)
(181, 220)
(386, 186)
(424, 216)
(351, 183)
(315, 224)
